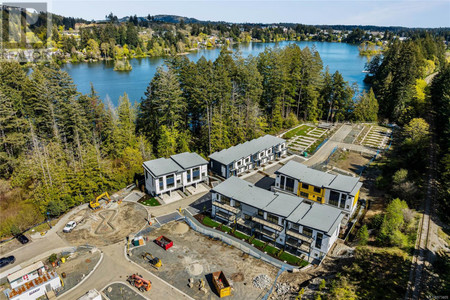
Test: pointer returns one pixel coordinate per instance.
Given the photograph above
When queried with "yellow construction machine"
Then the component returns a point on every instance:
(154, 261)
(94, 204)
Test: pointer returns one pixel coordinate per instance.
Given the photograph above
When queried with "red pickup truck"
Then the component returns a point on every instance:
(164, 242)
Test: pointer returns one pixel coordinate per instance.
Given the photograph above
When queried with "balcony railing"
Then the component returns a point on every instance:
(246, 223)
(303, 246)
(299, 236)
(226, 207)
(267, 223)
(266, 232)
(225, 216)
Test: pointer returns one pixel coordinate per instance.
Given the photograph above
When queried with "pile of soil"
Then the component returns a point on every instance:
(180, 228)
(237, 277)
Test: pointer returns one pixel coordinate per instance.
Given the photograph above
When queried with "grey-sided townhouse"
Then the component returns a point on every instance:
(285, 221)
(246, 156)
(338, 191)
(164, 175)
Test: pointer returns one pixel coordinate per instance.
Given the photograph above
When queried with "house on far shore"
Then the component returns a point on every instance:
(246, 156)
(164, 175)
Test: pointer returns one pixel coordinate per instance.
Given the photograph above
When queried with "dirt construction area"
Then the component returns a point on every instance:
(196, 256)
(107, 226)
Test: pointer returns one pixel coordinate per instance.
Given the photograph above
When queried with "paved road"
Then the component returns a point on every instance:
(324, 151)
(115, 267)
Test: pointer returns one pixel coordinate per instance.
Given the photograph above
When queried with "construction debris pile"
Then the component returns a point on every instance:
(262, 281)
(282, 288)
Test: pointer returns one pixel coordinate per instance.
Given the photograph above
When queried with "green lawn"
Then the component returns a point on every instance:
(257, 243)
(293, 260)
(150, 202)
(300, 131)
(241, 236)
(271, 250)
(208, 222)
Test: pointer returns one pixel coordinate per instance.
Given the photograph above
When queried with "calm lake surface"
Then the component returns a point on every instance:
(110, 84)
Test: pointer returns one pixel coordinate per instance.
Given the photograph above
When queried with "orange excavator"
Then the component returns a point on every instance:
(140, 283)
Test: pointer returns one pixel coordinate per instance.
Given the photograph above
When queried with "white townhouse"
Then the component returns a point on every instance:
(285, 221)
(247, 156)
(339, 191)
(164, 175)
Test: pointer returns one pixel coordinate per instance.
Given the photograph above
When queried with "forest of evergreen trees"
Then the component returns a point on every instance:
(60, 148)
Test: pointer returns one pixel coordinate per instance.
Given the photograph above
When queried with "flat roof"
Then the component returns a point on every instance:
(245, 192)
(343, 183)
(283, 204)
(32, 284)
(321, 217)
(318, 178)
(227, 156)
(189, 160)
(161, 166)
(19, 274)
(317, 216)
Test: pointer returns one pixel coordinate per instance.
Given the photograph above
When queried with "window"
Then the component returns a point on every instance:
(294, 226)
(170, 181)
(239, 163)
(225, 199)
(319, 199)
(161, 184)
(342, 204)
(303, 194)
(307, 232)
(282, 182)
(146, 175)
(272, 218)
(260, 213)
(188, 176)
(247, 160)
(196, 173)
(305, 186)
(319, 238)
(247, 217)
(317, 189)
(178, 181)
(289, 184)
(237, 204)
(334, 198)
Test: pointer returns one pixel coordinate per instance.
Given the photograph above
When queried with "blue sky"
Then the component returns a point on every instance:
(410, 13)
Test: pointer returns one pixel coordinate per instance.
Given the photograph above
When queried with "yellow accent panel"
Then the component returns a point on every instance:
(356, 199)
(312, 195)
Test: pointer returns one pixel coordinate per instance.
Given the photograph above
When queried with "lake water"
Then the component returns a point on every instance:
(110, 84)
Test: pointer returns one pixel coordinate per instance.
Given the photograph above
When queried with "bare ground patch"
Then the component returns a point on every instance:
(107, 226)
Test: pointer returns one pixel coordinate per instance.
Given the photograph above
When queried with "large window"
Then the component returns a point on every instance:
(295, 227)
(170, 181)
(319, 238)
(334, 198)
(317, 189)
(161, 184)
(343, 199)
(303, 194)
(224, 199)
(237, 204)
(272, 218)
(307, 232)
(282, 182)
(305, 186)
(196, 173)
(289, 184)
(260, 213)
(188, 176)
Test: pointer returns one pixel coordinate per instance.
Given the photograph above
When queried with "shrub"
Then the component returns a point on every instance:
(53, 258)
(363, 236)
